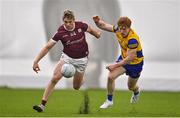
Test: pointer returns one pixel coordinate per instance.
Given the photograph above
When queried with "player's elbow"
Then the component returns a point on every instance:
(97, 34)
(48, 47)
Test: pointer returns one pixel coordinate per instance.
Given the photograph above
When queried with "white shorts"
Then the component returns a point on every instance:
(79, 64)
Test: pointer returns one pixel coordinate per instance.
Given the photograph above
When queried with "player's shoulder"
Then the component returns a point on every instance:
(61, 28)
(133, 33)
(80, 23)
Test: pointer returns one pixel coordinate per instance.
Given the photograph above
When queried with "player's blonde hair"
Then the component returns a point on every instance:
(68, 14)
(124, 21)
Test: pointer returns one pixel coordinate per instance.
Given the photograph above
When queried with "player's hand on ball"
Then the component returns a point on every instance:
(96, 18)
(36, 67)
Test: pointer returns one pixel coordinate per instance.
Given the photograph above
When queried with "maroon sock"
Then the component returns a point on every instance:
(43, 102)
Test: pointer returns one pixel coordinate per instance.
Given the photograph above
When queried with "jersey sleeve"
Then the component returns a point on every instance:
(56, 37)
(132, 43)
(84, 26)
(115, 28)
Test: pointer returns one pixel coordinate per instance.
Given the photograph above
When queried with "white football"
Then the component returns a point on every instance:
(68, 70)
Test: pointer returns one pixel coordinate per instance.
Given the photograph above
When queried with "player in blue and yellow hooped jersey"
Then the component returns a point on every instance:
(130, 61)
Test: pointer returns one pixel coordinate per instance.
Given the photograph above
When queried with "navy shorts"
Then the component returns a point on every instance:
(134, 71)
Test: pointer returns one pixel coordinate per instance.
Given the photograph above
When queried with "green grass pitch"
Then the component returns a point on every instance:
(72, 103)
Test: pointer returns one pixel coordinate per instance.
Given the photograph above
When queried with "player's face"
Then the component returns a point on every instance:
(69, 23)
(124, 31)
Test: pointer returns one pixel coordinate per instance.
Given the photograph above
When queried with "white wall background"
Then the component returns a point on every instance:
(21, 28)
(156, 21)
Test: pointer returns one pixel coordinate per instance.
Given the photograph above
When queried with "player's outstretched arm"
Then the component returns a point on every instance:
(42, 53)
(94, 32)
(102, 24)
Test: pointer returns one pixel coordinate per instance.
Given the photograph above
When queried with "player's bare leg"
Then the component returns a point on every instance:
(132, 85)
(56, 77)
(78, 80)
(50, 87)
(111, 85)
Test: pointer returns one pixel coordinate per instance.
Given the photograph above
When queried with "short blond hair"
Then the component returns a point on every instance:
(68, 14)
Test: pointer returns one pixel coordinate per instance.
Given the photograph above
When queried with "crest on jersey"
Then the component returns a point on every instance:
(79, 30)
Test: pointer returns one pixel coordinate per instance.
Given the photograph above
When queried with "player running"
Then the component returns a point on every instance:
(130, 61)
(72, 36)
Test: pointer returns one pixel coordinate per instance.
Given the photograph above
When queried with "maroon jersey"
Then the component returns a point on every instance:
(74, 42)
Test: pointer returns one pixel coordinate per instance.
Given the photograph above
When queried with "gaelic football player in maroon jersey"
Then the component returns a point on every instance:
(72, 36)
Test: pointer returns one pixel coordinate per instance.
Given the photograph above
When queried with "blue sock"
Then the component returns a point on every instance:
(109, 97)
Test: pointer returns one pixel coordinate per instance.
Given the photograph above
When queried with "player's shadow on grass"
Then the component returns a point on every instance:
(84, 108)
(133, 109)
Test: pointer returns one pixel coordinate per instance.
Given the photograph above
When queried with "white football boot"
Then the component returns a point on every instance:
(106, 104)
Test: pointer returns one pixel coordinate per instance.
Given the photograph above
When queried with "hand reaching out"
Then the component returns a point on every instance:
(111, 67)
(36, 67)
(96, 18)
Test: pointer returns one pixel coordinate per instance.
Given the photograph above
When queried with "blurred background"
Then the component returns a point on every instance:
(26, 25)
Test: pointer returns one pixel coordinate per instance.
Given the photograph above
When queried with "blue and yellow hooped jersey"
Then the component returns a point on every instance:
(130, 42)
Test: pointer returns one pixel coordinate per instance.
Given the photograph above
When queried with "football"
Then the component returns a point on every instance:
(68, 70)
